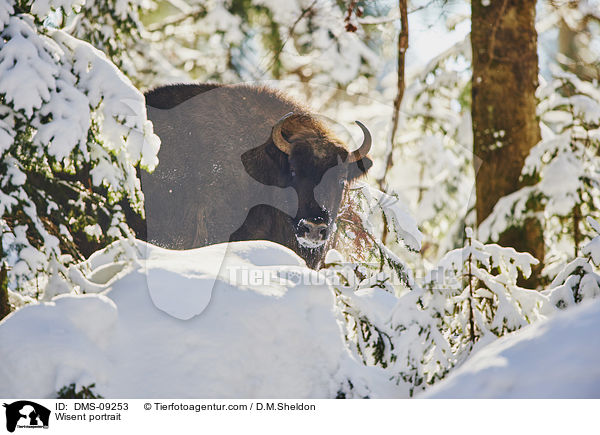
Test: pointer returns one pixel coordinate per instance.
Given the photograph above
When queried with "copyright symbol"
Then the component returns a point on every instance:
(147, 406)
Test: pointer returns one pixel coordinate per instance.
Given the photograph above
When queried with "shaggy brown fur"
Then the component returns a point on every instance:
(221, 178)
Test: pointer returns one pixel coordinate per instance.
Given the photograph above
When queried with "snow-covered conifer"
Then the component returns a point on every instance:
(116, 28)
(566, 162)
(72, 129)
(579, 280)
(433, 159)
(365, 210)
(471, 296)
(479, 284)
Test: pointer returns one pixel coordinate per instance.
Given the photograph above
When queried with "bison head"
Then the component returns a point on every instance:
(303, 154)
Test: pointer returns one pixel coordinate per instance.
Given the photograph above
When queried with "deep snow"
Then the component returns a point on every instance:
(249, 320)
(172, 325)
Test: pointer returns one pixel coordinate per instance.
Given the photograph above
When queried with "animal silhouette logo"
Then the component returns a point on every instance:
(26, 414)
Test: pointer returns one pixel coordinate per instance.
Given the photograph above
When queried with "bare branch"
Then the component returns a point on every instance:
(178, 19)
(350, 27)
(292, 28)
(402, 47)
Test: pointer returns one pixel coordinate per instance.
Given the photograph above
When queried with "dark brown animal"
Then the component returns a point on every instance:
(244, 163)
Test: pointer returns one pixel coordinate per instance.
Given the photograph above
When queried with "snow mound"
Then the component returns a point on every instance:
(557, 358)
(238, 320)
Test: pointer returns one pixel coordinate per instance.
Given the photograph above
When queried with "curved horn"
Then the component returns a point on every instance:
(283, 145)
(364, 148)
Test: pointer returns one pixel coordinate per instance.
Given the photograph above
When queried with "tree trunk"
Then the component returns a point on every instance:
(505, 126)
(4, 305)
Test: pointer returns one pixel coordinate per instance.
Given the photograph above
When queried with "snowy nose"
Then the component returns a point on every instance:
(312, 231)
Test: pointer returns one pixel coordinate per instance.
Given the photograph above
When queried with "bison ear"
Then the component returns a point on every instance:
(359, 168)
(267, 165)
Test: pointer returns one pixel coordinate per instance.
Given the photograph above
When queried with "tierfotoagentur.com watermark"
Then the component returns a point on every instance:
(343, 275)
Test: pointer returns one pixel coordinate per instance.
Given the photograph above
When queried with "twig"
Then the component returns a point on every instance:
(402, 47)
(348, 18)
(177, 19)
(290, 33)
(471, 312)
(383, 20)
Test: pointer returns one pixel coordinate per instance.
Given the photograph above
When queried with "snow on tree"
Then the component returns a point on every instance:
(116, 28)
(480, 284)
(555, 359)
(574, 48)
(248, 40)
(471, 297)
(357, 236)
(424, 353)
(566, 162)
(579, 280)
(365, 330)
(435, 149)
(366, 285)
(72, 129)
(370, 269)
